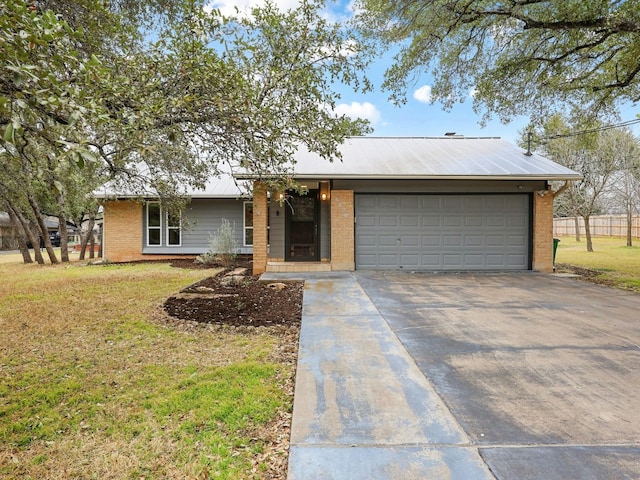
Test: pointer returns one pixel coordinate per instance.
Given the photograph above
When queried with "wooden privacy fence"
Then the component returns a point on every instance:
(601, 226)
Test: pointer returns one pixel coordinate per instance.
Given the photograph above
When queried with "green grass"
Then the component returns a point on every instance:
(612, 259)
(94, 383)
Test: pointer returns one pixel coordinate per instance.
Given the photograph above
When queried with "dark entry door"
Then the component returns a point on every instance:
(301, 237)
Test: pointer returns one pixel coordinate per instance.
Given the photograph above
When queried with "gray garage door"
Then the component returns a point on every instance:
(442, 232)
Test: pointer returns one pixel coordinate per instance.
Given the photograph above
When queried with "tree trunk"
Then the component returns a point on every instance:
(84, 237)
(31, 235)
(43, 228)
(22, 245)
(64, 238)
(629, 225)
(587, 233)
(576, 221)
(92, 245)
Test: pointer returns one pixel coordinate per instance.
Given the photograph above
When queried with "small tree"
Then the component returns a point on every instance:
(222, 246)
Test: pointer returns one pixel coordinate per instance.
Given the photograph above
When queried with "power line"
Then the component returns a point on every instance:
(592, 130)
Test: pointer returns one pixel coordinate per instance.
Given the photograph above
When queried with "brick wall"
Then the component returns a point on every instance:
(542, 232)
(342, 230)
(122, 233)
(260, 223)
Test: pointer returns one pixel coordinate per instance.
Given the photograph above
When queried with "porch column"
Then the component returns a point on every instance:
(342, 230)
(543, 231)
(260, 223)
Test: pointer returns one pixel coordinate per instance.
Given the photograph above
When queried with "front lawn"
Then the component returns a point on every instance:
(95, 382)
(611, 260)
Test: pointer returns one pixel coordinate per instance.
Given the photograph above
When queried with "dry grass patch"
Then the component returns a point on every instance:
(98, 383)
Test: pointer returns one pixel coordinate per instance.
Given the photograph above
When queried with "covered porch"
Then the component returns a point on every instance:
(313, 232)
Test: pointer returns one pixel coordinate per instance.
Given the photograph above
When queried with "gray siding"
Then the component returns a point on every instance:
(439, 186)
(202, 218)
(325, 229)
(277, 215)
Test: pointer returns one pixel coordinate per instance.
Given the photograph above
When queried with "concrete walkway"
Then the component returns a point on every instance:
(362, 408)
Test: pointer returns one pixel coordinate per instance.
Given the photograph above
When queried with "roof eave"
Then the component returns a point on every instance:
(419, 177)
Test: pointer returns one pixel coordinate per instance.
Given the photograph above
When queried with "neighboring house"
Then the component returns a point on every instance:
(435, 204)
(8, 233)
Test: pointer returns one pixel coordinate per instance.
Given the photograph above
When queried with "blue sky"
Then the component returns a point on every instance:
(418, 117)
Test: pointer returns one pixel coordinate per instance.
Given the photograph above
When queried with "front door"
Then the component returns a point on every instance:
(301, 233)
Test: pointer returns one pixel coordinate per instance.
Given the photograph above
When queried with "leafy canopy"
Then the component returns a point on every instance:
(518, 57)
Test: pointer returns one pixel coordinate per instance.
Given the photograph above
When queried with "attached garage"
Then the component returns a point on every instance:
(430, 204)
(443, 231)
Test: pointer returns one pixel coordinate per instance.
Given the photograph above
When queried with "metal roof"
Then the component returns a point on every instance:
(430, 158)
(222, 186)
(453, 158)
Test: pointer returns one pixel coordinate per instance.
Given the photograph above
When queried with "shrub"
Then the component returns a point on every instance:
(222, 247)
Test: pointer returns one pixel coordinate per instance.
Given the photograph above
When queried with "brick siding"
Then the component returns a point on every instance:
(342, 230)
(260, 224)
(122, 233)
(543, 232)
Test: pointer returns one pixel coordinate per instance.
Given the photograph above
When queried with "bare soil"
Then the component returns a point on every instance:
(244, 302)
(586, 274)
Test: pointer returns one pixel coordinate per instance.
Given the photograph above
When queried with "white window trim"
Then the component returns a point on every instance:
(179, 228)
(154, 227)
(244, 224)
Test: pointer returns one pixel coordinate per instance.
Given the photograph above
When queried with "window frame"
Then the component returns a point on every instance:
(245, 227)
(169, 227)
(154, 227)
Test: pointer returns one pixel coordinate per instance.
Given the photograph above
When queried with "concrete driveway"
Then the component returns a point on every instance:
(542, 373)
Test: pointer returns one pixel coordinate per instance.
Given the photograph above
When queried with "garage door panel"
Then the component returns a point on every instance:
(387, 201)
(474, 260)
(494, 221)
(431, 220)
(442, 232)
(452, 202)
(452, 260)
(388, 260)
(409, 221)
(410, 241)
(387, 240)
(516, 241)
(452, 241)
(410, 260)
(475, 221)
(431, 240)
(388, 221)
(367, 240)
(367, 220)
(515, 260)
(410, 202)
(473, 241)
(451, 221)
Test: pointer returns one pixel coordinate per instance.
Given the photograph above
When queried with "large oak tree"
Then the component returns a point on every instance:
(518, 57)
(158, 96)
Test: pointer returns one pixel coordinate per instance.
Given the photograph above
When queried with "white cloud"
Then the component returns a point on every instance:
(472, 92)
(334, 13)
(354, 110)
(423, 94)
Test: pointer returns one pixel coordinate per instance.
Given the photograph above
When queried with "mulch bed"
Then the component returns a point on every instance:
(245, 301)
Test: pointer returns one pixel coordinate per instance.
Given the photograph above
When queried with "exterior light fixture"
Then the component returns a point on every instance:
(325, 191)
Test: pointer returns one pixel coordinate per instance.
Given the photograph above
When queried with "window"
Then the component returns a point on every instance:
(174, 227)
(248, 223)
(154, 224)
(156, 218)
